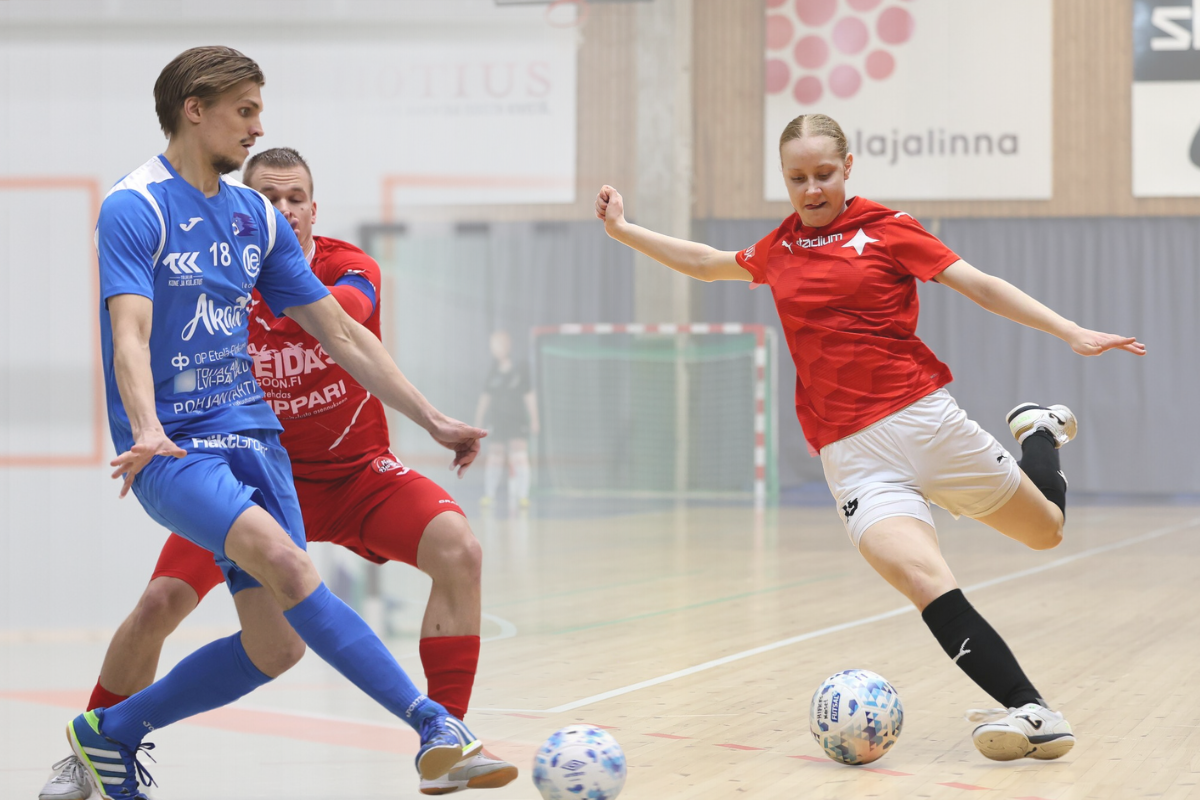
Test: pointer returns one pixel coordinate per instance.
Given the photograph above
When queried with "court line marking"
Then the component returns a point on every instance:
(804, 637)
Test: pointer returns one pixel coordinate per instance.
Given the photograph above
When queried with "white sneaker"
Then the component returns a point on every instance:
(1031, 731)
(1058, 421)
(477, 772)
(70, 781)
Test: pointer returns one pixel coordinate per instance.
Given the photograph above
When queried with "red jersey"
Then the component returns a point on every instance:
(847, 297)
(328, 419)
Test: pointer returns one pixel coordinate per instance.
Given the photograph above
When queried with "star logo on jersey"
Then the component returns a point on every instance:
(860, 241)
(191, 223)
(243, 224)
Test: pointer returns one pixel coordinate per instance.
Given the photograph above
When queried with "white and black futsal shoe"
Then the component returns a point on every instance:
(1057, 420)
(1031, 731)
(69, 782)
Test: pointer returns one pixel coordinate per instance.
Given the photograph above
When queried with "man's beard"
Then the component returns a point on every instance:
(224, 165)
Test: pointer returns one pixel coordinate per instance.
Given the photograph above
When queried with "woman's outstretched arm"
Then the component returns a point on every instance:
(695, 260)
(1001, 297)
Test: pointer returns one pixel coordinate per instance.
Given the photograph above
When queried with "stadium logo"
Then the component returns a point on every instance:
(252, 261)
(243, 224)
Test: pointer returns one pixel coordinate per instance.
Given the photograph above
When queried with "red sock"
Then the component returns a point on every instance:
(450, 663)
(103, 698)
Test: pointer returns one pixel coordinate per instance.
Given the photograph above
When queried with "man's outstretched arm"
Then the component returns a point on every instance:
(357, 351)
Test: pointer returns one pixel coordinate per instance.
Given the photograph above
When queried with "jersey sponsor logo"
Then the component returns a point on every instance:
(279, 369)
(860, 241)
(186, 272)
(210, 356)
(252, 261)
(204, 378)
(230, 441)
(750, 251)
(216, 320)
(243, 224)
(386, 464)
(191, 223)
(819, 241)
(244, 392)
(333, 393)
(182, 263)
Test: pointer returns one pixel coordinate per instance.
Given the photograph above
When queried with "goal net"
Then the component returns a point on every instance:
(657, 410)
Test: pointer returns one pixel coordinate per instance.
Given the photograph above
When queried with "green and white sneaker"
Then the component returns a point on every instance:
(1057, 420)
(112, 766)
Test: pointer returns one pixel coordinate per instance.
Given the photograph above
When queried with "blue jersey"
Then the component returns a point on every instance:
(198, 258)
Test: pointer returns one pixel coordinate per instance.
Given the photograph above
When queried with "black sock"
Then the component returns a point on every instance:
(1039, 460)
(978, 650)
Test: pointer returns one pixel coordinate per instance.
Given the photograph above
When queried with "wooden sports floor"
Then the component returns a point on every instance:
(696, 635)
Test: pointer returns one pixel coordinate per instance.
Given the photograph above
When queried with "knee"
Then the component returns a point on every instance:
(277, 657)
(926, 583)
(1050, 535)
(290, 575)
(457, 554)
(164, 604)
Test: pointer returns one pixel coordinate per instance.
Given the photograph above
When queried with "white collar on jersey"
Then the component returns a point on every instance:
(312, 251)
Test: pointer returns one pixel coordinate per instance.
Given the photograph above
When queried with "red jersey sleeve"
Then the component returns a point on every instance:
(754, 258)
(917, 251)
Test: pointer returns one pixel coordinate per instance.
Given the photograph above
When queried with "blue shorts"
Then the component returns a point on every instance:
(200, 495)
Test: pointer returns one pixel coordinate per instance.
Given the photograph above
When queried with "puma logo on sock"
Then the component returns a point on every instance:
(962, 651)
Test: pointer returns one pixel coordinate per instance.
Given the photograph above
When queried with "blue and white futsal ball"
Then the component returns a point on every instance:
(856, 716)
(579, 762)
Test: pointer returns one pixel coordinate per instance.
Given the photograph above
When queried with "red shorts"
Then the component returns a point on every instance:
(379, 513)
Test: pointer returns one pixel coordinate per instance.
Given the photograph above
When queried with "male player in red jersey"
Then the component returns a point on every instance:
(353, 491)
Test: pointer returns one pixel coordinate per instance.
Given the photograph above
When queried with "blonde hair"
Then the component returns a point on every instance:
(816, 125)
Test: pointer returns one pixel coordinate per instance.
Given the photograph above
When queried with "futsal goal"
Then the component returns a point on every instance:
(666, 410)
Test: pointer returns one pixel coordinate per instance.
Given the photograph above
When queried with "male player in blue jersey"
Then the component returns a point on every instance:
(181, 248)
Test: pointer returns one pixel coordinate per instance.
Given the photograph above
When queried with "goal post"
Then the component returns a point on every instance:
(667, 410)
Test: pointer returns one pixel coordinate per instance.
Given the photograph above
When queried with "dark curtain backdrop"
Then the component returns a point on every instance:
(1138, 426)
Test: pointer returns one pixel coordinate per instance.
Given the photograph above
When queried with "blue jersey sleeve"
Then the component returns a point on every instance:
(286, 279)
(128, 235)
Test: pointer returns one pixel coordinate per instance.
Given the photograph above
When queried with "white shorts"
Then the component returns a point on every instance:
(926, 452)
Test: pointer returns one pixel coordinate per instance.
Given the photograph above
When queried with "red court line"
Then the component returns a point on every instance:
(380, 737)
(966, 786)
(740, 747)
(891, 772)
(604, 727)
(96, 456)
(667, 736)
(814, 759)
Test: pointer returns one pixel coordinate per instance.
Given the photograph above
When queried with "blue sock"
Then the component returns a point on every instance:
(213, 676)
(338, 635)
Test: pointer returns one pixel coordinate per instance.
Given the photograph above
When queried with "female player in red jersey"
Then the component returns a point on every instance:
(870, 397)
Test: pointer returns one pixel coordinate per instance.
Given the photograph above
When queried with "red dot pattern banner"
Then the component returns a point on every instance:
(819, 46)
